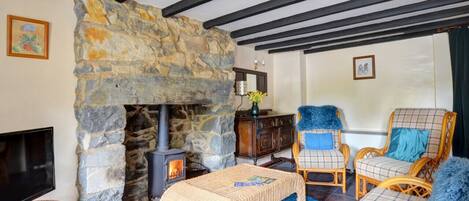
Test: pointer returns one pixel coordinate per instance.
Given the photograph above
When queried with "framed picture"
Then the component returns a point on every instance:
(364, 67)
(27, 38)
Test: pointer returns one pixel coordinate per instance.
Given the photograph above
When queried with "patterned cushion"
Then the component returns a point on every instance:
(335, 133)
(429, 119)
(381, 194)
(325, 159)
(381, 168)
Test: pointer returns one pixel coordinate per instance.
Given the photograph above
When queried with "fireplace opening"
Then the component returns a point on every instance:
(160, 144)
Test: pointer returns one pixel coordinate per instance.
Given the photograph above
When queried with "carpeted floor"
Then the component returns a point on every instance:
(324, 193)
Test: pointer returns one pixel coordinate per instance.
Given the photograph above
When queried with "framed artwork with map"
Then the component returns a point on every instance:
(364, 67)
(27, 37)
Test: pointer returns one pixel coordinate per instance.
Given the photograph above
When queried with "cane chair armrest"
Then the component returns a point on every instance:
(408, 185)
(424, 169)
(418, 165)
(368, 152)
(345, 150)
(296, 152)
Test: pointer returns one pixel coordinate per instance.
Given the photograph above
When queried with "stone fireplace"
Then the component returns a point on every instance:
(129, 59)
(188, 123)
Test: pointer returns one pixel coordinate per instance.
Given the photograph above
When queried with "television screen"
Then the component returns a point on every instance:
(26, 164)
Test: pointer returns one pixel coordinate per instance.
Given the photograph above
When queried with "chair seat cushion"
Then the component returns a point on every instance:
(381, 168)
(323, 159)
(381, 194)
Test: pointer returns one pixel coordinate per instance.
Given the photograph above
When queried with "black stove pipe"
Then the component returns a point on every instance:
(163, 130)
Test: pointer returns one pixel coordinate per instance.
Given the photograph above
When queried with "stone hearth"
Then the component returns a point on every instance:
(128, 54)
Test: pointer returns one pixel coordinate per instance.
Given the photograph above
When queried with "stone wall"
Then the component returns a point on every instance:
(128, 54)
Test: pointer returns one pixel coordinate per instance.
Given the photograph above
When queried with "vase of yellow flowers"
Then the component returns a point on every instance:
(255, 97)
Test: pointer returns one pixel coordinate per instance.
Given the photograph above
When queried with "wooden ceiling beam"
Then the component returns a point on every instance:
(320, 12)
(370, 42)
(182, 6)
(248, 12)
(370, 28)
(354, 20)
(433, 26)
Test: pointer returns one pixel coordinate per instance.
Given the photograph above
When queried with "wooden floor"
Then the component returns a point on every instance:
(324, 193)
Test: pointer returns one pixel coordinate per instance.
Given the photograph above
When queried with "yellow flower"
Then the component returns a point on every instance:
(256, 96)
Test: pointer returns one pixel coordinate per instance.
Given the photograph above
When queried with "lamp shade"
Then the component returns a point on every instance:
(241, 88)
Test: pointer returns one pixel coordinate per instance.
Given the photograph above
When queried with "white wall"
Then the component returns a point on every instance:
(443, 77)
(404, 78)
(287, 82)
(409, 73)
(40, 93)
(244, 58)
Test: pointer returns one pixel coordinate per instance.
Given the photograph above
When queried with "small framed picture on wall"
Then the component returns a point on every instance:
(27, 37)
(364, 67)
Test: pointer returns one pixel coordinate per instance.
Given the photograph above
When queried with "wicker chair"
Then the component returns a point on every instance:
(400, 188)
(372, 166)
(322, 161)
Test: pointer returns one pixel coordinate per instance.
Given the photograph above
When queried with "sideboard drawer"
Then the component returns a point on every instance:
(285, 121)
(266, 123)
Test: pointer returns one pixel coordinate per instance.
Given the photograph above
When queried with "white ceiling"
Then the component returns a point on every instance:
(217, 8)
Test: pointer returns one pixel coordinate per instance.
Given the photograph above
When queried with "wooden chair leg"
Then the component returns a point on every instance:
(305, 175)
(364, 188)
(335, 178)
(344, 181)
(357, 187)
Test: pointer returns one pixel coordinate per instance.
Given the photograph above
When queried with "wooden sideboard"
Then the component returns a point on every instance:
(264, 135)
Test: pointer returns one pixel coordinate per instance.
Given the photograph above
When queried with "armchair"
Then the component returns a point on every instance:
(322, 161)
(372, 166)
(401, 188)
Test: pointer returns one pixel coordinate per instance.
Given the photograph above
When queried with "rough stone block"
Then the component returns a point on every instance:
(102, 157)
(198, 142)
(105, 195)
(223, 144)
(99, 119)
(96, 179)
(142, 90)
(215, 109)
(95, 140)
(217, 124)
(102, 45)
(218, 162)
(218, 61)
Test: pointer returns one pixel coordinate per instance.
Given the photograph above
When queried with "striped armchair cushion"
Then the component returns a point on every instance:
(381, 168)
(324, 159)
(335, 133)
(428, 119)
(381, 194)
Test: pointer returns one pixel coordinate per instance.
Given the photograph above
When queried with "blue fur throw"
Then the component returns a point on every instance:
(322, 117)
(294, 197)
(451, 181)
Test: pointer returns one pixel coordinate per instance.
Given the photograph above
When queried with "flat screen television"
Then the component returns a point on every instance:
(26, 164)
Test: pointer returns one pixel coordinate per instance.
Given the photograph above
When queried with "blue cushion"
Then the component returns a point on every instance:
(451, 181)
(408, 144)
(322, 117)
(319, 141)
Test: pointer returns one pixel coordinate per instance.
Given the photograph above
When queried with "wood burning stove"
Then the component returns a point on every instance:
(166, 166)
